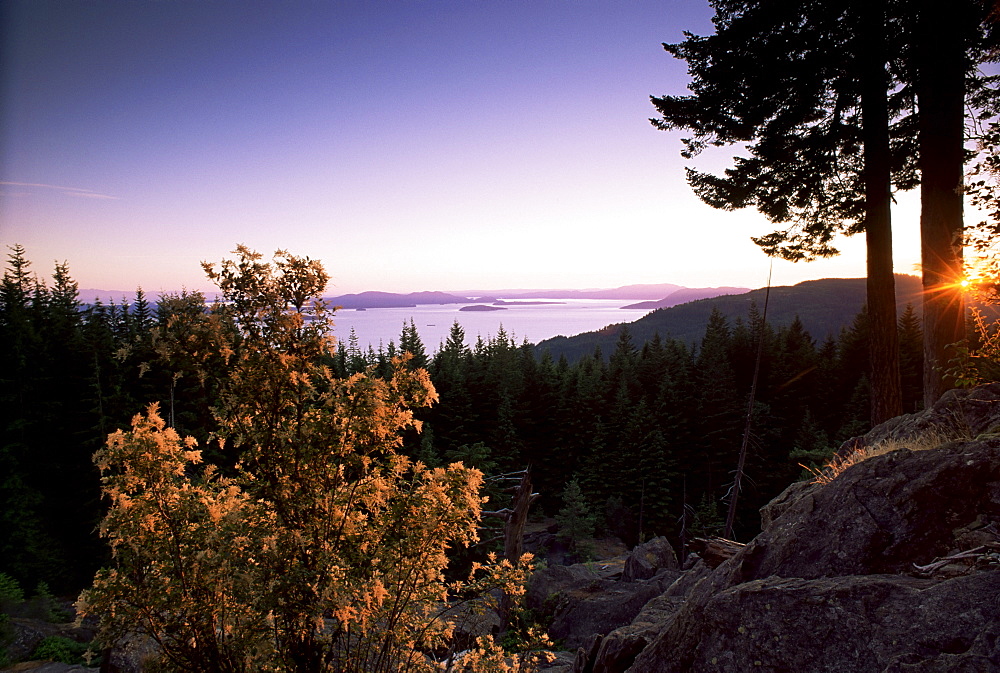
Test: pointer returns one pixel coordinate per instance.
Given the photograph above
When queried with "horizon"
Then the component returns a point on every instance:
(499, 293)
(444, 145)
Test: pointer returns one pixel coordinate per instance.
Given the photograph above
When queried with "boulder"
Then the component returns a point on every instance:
(546, 585)
(583, 600)
(616, 651)
(827, 586)
(601, 607)
(649, 558)
(832, 583)
(857, 624)
(562, 662)
(960, 414)
(881, 516)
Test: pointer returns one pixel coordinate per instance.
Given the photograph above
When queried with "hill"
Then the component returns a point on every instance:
(688, 294)
(824, 307)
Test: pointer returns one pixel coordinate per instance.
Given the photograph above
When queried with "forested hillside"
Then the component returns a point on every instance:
(651, 432)
(823, 306)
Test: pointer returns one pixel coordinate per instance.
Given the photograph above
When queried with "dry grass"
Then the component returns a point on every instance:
(838, 464)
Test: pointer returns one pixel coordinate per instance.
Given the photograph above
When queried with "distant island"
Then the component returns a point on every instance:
(392, 300)
(482, 307)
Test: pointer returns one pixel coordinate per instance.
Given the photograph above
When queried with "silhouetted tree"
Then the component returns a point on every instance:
(805, 86)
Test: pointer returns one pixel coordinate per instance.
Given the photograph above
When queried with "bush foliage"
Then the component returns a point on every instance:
(323, 548)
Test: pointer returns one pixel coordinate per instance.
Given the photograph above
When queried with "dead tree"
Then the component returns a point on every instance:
(514, 518)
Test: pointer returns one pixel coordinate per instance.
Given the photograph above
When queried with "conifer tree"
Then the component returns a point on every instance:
(911, 359)
(575, 519)
(410, 342)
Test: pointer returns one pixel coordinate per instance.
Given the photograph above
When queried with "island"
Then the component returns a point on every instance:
(482, 307)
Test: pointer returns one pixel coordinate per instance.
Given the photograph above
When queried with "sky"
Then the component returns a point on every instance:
(408, 145)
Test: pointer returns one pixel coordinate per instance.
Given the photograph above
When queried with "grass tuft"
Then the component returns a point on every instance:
(836, 465)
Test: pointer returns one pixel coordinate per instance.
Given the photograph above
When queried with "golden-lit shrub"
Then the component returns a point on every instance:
(325, 548)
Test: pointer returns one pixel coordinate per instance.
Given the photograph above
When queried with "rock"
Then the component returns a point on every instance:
(547, 584)
(880, 516)
(830, 584)
(28, 633)
(562, 662)
(131, 655)
(601, 607)
(859, 624)
(615, 652)
(648, 558)
(46, 667)
(472, 620)
(582, 600)
(784, 500)
(959, 414)
(830, 566)
(586, 655)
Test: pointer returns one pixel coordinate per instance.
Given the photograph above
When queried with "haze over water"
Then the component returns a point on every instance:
(532, 322)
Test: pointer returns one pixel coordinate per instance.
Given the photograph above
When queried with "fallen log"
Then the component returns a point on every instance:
(714, 550)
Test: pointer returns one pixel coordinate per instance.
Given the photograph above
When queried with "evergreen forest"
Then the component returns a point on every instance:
(649, 432)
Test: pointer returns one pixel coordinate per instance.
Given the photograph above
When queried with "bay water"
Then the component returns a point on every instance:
(534, 322)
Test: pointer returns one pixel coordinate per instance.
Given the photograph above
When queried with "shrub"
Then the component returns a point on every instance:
(977, 360)
(62, 649)
(324, 549)
(10, 591)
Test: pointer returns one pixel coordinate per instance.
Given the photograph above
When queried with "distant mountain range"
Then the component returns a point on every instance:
(625, 292)
(663, 292)
(824, 307)
(657, 293)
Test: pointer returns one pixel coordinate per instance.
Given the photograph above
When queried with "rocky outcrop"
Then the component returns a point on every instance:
(880, 516)
(832, 583)
(602, 607)
(616, 651)
(968, 413)
(589, 599)
(845, 624)
(649, 558)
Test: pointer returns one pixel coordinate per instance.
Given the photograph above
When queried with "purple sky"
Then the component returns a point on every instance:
(410, 145)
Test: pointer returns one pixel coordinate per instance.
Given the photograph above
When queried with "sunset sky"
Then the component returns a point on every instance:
(411, 145)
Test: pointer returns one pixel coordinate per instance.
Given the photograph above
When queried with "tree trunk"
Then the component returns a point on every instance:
(513, 543)
(886, 396)
(940, 101)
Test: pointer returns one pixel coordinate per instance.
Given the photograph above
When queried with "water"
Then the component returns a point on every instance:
(532, 322)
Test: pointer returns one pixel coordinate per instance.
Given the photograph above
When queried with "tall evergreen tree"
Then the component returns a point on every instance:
(911, 359)
(949, 41)
(810, 87)
(805, 86)
(410, 342)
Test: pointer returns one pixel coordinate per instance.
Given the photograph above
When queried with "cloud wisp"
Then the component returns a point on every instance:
(68, 191)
